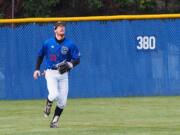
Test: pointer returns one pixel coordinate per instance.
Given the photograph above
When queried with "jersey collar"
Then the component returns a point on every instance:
(59, 41)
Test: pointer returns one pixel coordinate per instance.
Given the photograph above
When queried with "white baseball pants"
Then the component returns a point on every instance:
(57, 86)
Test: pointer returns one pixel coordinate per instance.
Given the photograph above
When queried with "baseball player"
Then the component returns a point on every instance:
(61, 56)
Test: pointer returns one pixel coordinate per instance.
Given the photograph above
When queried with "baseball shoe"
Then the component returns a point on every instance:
(54, 125)
(54, 122)
(47, 110)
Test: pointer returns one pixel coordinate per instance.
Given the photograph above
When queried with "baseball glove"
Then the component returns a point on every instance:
(63, 67)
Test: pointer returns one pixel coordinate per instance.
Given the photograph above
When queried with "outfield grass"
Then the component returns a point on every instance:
(103, 116)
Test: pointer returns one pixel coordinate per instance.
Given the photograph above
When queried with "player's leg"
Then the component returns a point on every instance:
(47, 109)
(57, 113)
(61, 101)
(52, 86)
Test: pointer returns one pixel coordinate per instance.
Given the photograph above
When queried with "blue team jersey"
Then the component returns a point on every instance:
(56, 52)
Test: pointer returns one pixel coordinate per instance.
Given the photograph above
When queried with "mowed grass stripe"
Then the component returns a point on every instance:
(97, 116)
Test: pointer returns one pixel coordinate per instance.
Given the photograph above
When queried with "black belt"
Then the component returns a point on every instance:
(53, 68)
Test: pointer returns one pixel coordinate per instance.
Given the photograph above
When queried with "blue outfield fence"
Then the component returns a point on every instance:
(118, 58)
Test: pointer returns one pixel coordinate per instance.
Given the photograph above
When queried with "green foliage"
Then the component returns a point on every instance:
(34, 8)
(47, 8)
(122, 4)
(147, 5)
(1, 15)
(95, 4)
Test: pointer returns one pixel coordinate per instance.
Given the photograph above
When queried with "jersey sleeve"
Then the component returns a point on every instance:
(42, 50)
(75, 53)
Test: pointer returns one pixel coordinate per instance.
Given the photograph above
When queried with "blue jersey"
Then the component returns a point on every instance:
(56, 52)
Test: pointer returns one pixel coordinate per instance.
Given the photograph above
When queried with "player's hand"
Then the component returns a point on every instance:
(70, 65)
(36, 74)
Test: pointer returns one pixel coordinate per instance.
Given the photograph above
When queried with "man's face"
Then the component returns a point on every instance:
(60, 30)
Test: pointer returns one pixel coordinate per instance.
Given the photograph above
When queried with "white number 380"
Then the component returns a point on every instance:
(146, 42)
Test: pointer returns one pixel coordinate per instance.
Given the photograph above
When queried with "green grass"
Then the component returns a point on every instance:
(103, 116)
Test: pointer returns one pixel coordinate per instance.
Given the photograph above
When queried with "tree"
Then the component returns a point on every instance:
(148, 6)
(40, 8)
(58, 8)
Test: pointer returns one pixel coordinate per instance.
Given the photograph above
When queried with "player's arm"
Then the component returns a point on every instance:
(75, 60)
(37, 69)
(39, 61)
(75, 56)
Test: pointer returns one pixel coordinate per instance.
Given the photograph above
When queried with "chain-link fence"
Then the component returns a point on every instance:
(118, 58)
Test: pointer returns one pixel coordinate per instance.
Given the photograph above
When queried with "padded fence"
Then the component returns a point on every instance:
(118, 58)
